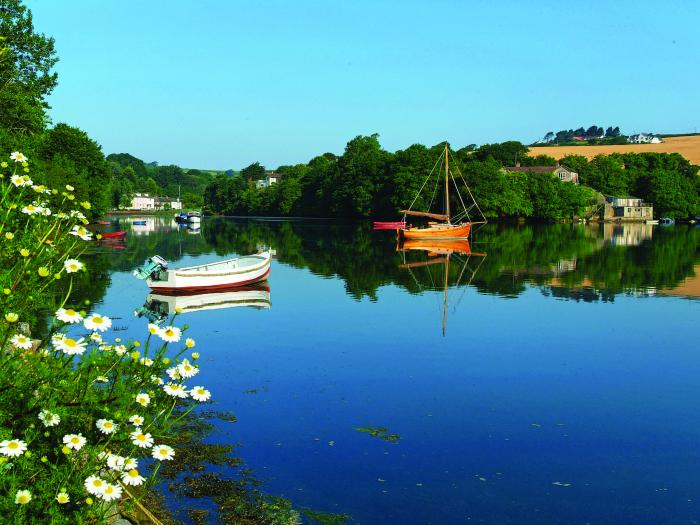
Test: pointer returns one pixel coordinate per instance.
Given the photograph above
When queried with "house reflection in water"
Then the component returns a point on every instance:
(159, 306)
(628, 234)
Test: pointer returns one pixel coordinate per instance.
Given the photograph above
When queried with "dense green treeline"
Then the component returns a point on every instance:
(368, 181)
(132, 175)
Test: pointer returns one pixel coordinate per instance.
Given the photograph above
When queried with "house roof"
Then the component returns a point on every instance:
(538, 169)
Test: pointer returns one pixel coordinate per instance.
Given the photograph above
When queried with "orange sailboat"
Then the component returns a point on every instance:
(444, 225)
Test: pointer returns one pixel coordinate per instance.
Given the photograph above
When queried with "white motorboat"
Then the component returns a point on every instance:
(220, 275)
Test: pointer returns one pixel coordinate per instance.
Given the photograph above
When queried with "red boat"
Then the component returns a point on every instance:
(114, 235)
(387, 225)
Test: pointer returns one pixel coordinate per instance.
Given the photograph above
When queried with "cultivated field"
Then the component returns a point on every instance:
(688, 146)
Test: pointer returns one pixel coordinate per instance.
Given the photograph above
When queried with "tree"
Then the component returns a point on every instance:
(253, 172)
(507, 153)
(26, 78)
(549, 136)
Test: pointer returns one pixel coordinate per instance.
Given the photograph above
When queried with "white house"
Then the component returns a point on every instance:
(644, 138)
(270, 179)
(143, 201)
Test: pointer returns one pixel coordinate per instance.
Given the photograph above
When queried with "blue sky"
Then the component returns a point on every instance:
(221, 84)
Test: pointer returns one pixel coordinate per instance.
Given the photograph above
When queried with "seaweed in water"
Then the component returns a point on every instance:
(380, 432)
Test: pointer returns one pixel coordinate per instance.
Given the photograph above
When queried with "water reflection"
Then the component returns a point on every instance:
(609, 259)
(160, 306)
(440, 253)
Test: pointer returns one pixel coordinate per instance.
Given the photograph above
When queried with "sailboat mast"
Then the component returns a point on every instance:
(447, 182)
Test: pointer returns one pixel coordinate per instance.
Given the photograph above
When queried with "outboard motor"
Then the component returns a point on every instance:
(152, 268)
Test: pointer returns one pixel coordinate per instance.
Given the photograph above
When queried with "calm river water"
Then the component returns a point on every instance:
(564, 389)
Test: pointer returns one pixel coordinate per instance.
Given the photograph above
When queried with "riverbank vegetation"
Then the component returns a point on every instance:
(368, 181)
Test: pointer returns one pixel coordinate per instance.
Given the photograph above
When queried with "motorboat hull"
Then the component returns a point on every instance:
(215, 276)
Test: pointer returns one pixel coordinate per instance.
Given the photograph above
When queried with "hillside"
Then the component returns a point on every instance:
(687, 145)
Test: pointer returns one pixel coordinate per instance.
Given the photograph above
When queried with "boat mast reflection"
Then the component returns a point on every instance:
(442, 252)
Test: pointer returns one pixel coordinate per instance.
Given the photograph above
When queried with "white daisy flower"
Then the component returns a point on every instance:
(13, 447)
(143, 399)
(31, 209)
(163, 452)
(153, 328)
(115, 462)
(111, 492)
(97, 322)
(130, 463)
(136, 420)
(77, 214)
(173, 373)
(23, 497)
(97, 338)
(68, 315)
(70, 346)
(120, 349)
(175, 390)
(46, 211)
(48, 418)
(69, 187)
(132, 477)
(199, 393)
(21, 341)
(18, 181)
(145, 361)
(101, 379)
(62, 498)
(72, 265)
(140, 439)
(74, 441)
(81, 231)
(106, 426)
(95, 485)
(186, 369)
(170, 334)
(157, 380)
(189, 343)
(18, 157)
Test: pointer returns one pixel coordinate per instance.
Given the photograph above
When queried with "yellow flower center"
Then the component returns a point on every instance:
(169, 332)
(23, 498)
(97, 320)
(75, 440)
(13, 444)
(133, 473)
(70, 342)
(200, 391)
(108, 425)
(141, 437)
(97, 483)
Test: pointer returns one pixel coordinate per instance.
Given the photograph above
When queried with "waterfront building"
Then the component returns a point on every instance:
(627, 208)
(644, 138)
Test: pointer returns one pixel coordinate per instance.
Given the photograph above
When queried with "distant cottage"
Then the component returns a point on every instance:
(144, 202)
(270, 179)
(644, 138)
(563, 173)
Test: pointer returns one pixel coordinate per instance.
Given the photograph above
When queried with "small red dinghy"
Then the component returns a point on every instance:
(383, 225)
(114, 235)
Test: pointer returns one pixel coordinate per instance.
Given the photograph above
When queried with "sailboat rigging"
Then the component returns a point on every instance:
(444, 225)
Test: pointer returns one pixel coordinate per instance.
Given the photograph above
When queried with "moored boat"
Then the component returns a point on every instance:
(140, 222)
(194, 217)
(388, 225)
(114, 235)
(443, 225)
(220, 275)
